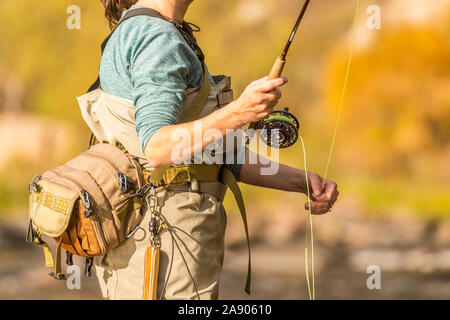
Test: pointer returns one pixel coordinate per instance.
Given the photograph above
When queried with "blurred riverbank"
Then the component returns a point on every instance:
(414, 258)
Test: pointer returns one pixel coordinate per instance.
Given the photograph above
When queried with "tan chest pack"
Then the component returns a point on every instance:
(89, 205)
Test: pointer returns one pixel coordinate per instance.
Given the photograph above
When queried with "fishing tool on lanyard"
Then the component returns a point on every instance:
(152, 253)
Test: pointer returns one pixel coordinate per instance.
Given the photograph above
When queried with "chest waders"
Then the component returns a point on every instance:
(111, 120)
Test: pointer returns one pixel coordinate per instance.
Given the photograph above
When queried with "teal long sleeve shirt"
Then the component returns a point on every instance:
(148, 61)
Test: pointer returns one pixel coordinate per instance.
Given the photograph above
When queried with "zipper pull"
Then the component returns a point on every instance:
(69, 258)
(125, 183)
(86, 203)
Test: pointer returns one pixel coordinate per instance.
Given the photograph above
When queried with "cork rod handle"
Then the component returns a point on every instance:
(277, 69)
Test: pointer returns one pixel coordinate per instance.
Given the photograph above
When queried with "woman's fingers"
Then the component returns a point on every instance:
(269, 85)
(269, 100)
(330, 189)
(329, 192)
(323, 195)
(315, 182)
(318, 207)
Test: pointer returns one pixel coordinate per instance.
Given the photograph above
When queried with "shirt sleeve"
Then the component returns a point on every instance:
(160, 68)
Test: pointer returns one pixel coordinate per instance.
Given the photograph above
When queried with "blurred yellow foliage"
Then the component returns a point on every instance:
(393, 143)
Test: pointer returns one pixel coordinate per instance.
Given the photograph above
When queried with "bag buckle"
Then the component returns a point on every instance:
(125, 183)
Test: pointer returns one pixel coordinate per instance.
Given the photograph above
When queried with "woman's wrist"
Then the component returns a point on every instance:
(227, 117)
(300, 181)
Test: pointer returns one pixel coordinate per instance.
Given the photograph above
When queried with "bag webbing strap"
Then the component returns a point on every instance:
(184, 173)
(51, 263)
(57, 273)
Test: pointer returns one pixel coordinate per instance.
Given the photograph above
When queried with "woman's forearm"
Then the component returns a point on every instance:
(323, 194)
(286, 178)
(254, 104)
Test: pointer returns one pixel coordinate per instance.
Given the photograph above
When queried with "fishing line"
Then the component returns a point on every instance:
(344, 90)
(309, 241)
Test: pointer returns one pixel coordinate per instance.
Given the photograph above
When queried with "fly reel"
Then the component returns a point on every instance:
(279, 130)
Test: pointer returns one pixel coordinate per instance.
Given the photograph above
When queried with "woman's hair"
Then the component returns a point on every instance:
(114, 9)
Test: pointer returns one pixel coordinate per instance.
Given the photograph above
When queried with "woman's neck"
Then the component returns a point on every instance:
(169, 9)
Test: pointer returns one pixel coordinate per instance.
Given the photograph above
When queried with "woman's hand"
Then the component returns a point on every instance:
(257, 100)
(255, 103)
(322, 200)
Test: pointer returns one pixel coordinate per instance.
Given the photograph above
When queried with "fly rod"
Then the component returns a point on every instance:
(280, 128)
(278, 67)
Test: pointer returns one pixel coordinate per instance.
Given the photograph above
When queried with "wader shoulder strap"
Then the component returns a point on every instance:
(200, 100)
(128, 15)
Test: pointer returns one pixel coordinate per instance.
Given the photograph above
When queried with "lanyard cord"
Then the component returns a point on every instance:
(174, 235)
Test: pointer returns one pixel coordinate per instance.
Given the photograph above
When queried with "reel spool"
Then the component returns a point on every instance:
(279, 130)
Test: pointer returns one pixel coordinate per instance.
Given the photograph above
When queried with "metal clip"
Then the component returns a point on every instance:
(141, 192)
(69, 258)
(133, 232)
(33, 186)
(88, 268)
(30, 233)
(59, 276)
